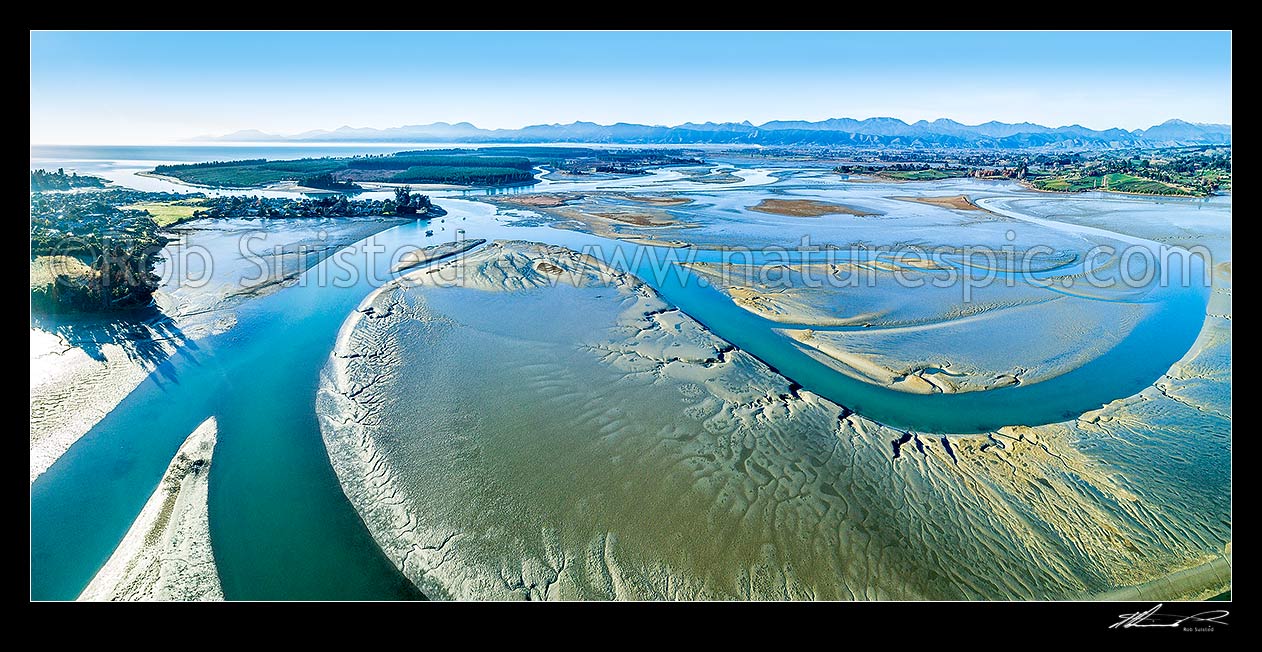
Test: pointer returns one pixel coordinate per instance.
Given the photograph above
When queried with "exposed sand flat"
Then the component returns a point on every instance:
(540, 200)
(75, 381)
(805, 208)
(635, 218)
(1167, 443)
(612, 217)
(166, 555)
(509, 266)
(658, 200)
(785, 303)
(780, 304)
(720, 175)
(993, 348)
(426, 255)
(904, 322)
(875, 293)
(957, 202)
(598, 217)
(567, 434)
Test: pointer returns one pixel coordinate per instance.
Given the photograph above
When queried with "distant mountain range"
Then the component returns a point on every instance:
(873, 132)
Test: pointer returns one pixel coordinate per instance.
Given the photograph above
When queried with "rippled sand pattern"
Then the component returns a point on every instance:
(522, 423)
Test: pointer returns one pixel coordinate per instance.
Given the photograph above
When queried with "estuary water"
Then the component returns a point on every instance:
(280, 524)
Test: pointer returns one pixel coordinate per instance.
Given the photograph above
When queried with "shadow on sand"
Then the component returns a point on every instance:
(146, 336)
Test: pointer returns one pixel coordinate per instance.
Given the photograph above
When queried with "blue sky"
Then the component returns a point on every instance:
(154, 87)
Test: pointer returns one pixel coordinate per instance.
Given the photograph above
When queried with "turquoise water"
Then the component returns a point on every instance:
(1141, 358)
(280, 525)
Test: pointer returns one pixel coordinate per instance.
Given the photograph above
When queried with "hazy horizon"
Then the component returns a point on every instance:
(790, 119)
(168, 87)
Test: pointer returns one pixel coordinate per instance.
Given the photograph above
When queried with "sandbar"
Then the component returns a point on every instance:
(166, 555)
(957, 202)
(806, 208)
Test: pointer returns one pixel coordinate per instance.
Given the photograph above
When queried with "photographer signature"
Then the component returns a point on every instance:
(1152, 618)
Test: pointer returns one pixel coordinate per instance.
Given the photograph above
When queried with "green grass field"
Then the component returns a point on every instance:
(168, 213)
(1116, 182)
(1066, 183)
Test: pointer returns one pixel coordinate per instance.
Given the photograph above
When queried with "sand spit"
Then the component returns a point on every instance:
(166, 555)
(805, 208)
(564, 433)
(957, 202)
(426, 255)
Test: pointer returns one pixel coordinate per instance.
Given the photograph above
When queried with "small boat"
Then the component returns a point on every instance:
(429, 234)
